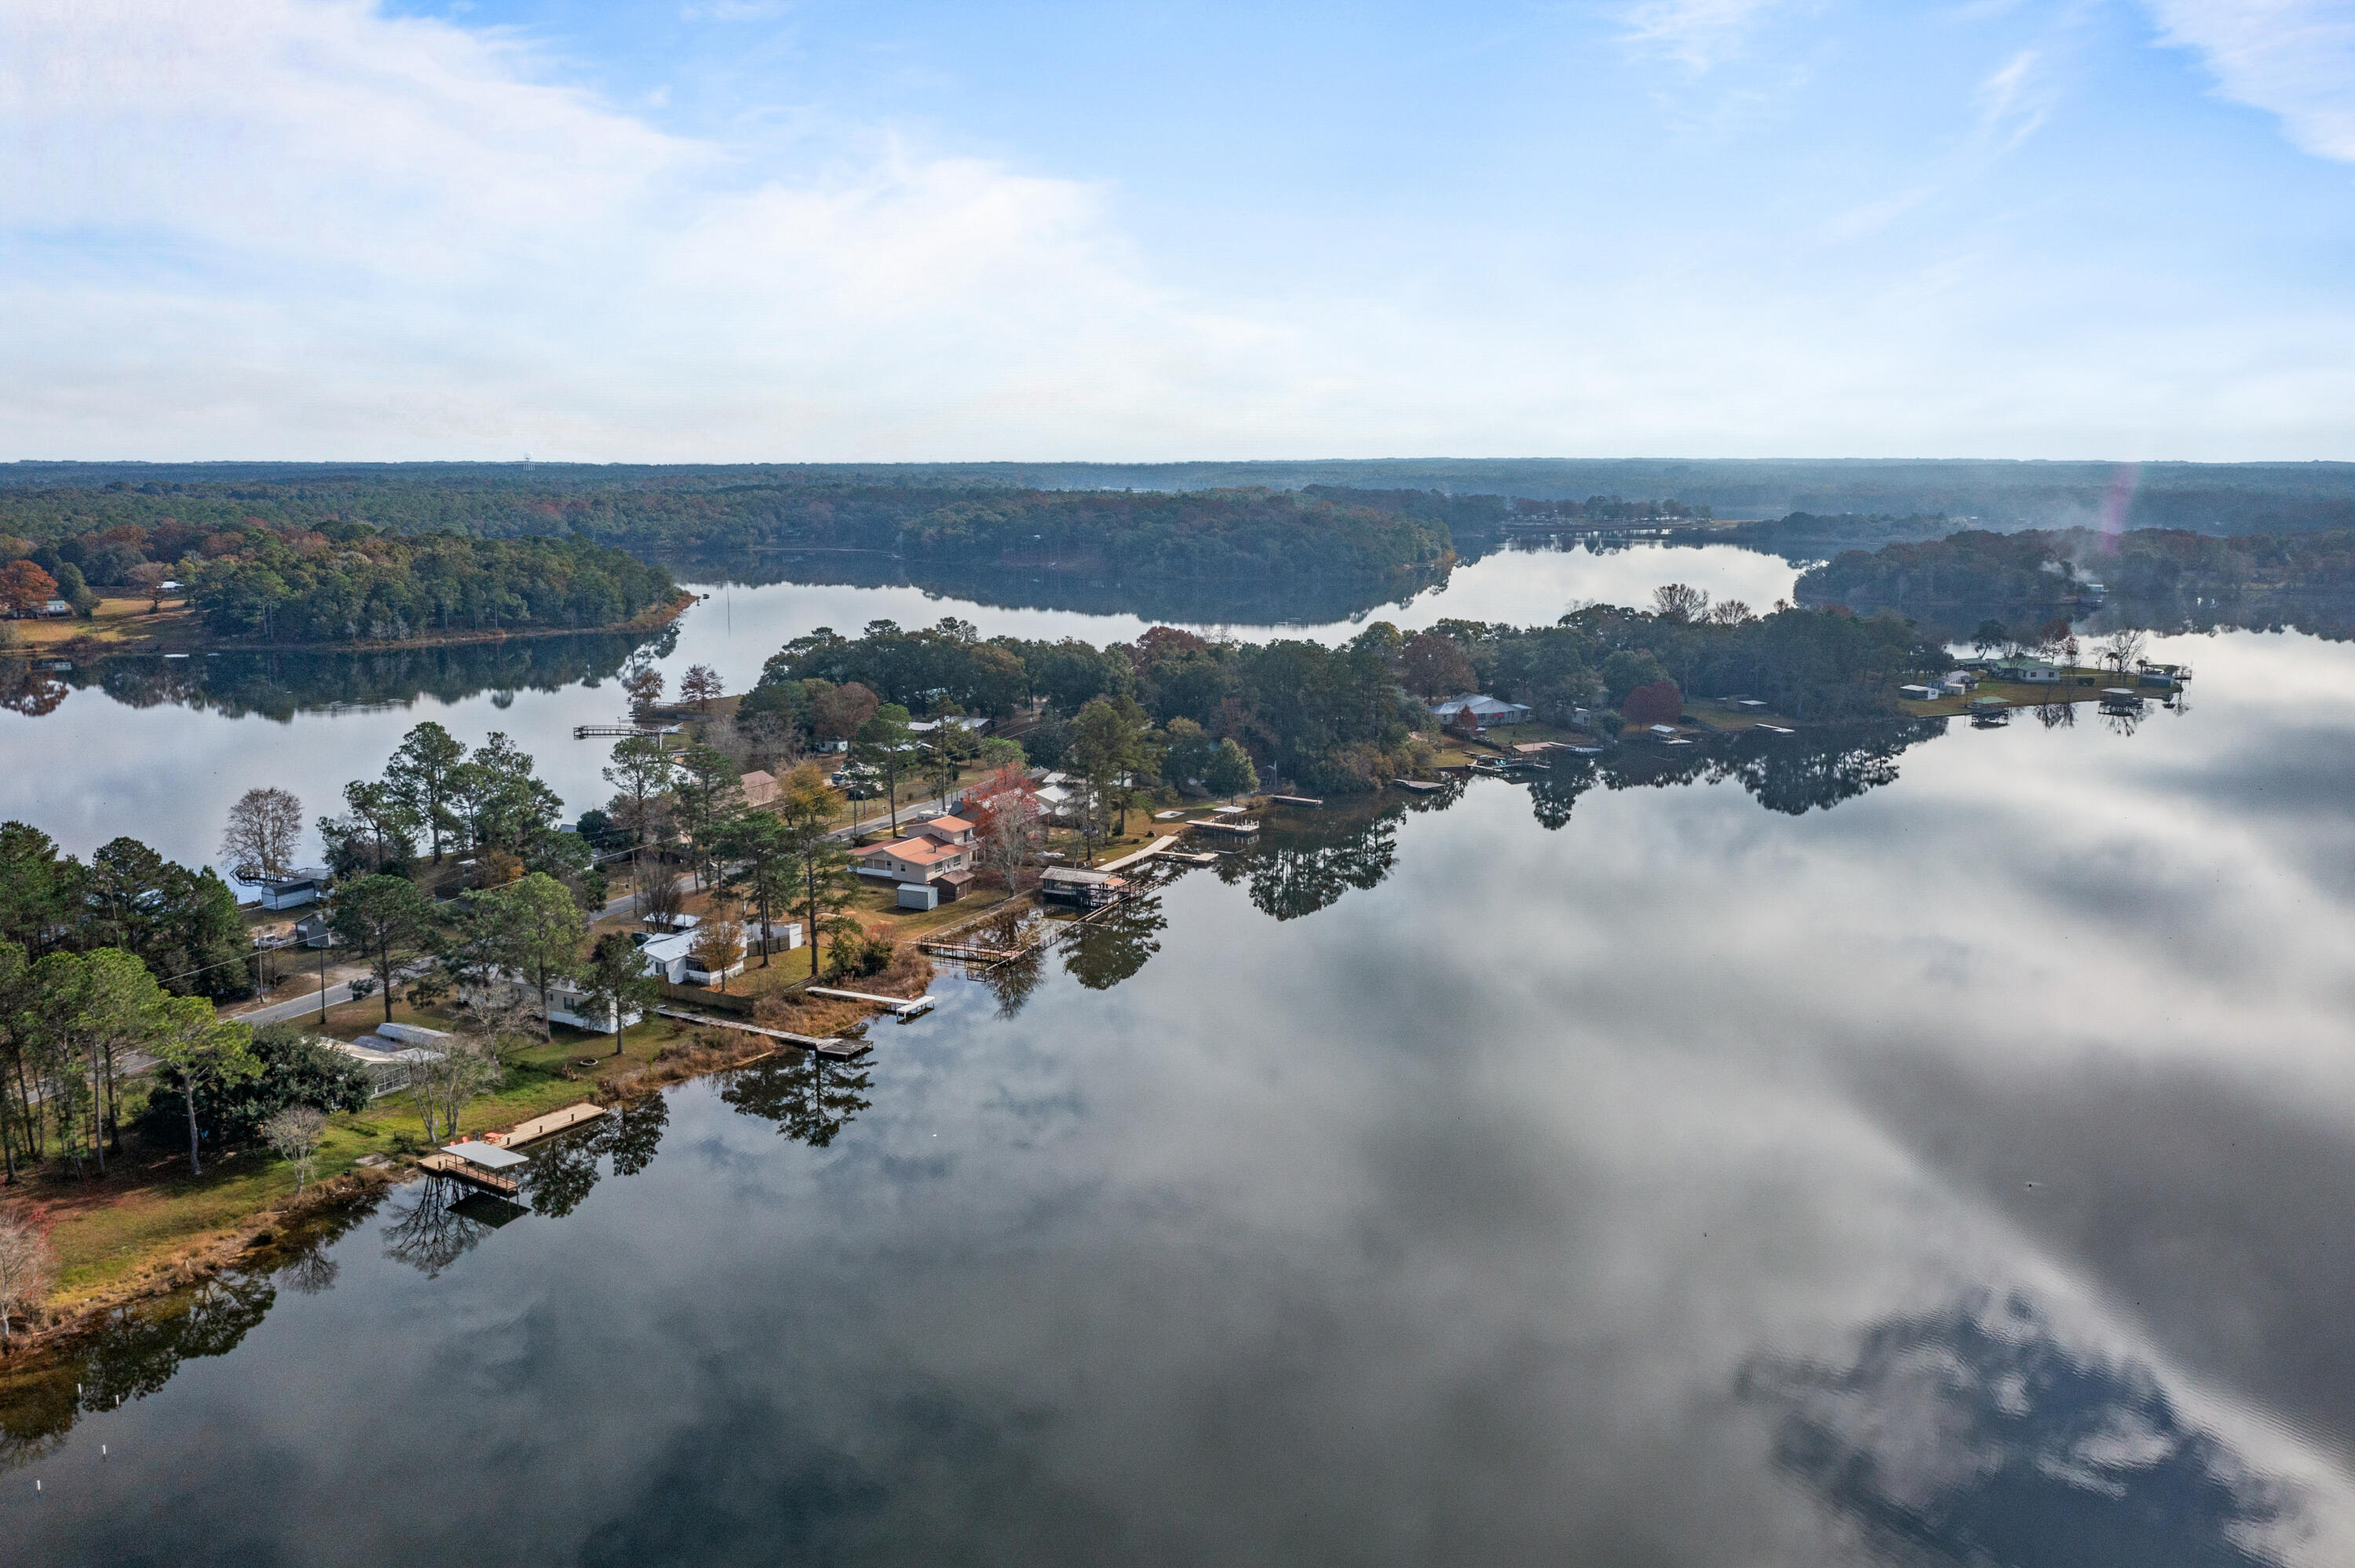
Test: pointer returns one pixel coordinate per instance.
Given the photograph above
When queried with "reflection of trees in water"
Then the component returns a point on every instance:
(1301, 865)
(133, 1353)
(1257, 601)
(432, 1231)
(2057, 715)
(279, 684)
(1815, 769)
(1116, 944)
(808, 1097)
(26, 690)
(565, 1166)
(1013, 982)
(1973, 1436)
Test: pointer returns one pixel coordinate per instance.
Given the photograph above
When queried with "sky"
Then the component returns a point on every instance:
(789, 231)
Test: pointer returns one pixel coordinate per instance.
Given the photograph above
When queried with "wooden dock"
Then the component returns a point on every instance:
(541, 1125)
(905, 1006)
(473, 1175)
(825, 1045)
(1240, 830)
(1419, 786)
(1295, 799)
(1148, 854)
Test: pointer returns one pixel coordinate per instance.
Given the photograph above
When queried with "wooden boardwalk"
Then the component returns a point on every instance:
(1148, 854)
(541, 1125)
(825, 1045)
(905, 1006)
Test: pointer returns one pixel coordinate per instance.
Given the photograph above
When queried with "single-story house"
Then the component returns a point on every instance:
(1917, 692)
(1957, 682)
(2028, 670)
(311, 931)
(307, 885)
(1087, 889)
(972, 724)
(51, 609)
(1484, 710)
(760, 786)
(391, 1053)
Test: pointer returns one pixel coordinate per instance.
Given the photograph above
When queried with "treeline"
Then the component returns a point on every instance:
(314, 587)
(1337, 720)
(1969, 569)
(1802, 536)
(183, 924)
(2150, 577)
(1199, 534)
(344, 581)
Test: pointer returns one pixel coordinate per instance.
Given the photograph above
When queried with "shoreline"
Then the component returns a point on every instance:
(174, 1265)
(151, 645)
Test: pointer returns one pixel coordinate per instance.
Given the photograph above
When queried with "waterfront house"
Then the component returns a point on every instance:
(1917, 692)
(925, 860)
(307, 885)
(311, 931)
(1484, 710)
(2026, 670)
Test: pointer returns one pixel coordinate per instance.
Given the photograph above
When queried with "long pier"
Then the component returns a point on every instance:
(906, 1007)
(825, 1045)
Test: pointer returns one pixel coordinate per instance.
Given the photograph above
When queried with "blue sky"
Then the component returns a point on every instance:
(738, 230)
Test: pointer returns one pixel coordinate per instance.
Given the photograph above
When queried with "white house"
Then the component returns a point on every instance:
(2032, 670)
(972, 724)
(1484, 710)
(1919, 694)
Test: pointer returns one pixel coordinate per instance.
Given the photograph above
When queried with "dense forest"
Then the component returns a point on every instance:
(2208, 498)
(344, 581)
(2162, 579)
(1340, 720)
(1145, 535)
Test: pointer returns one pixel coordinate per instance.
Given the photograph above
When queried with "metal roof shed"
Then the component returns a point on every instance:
(489, 1156)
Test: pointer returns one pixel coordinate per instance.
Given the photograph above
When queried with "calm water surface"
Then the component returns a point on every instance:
(1687, 1174)
(162, 748)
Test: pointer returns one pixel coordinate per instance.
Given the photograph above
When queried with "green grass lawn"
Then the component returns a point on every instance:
(150, 1211)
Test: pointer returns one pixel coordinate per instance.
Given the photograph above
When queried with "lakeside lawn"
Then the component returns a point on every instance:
(148, 1214)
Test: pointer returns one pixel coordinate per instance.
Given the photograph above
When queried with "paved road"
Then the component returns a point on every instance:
(301, 1007)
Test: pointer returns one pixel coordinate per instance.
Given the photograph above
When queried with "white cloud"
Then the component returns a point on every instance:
(2010, 103)
(1700, 33)
(302, 229)
(2295, 59)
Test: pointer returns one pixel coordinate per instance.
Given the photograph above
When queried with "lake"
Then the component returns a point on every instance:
(1918, 1145)
(159, 749)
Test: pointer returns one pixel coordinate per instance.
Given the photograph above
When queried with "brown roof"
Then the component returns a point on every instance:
(923, 852)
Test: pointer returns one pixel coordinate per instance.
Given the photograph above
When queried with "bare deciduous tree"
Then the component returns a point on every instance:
(719, 946)
(1680, 602)
(27, 1267)
(294, 1133)
(447, 1082)
(656, 886)
(264, 826)
(2122, 648)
